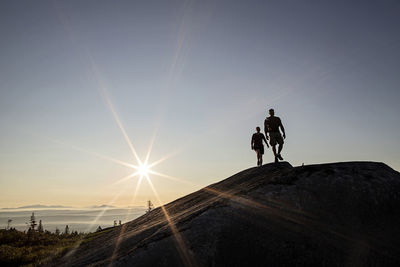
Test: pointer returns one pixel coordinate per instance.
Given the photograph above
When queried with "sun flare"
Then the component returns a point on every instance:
(143, 169)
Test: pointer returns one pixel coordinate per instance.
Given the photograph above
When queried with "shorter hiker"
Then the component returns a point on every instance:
(257, 145)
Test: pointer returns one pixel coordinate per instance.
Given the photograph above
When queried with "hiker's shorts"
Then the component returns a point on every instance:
(275, 138)
(260, 148)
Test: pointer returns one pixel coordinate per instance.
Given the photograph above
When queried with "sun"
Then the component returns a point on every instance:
(143, 169)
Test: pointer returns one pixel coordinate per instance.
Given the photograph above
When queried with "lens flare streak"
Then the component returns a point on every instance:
(118, 121)
(123, 227)
(180, 243)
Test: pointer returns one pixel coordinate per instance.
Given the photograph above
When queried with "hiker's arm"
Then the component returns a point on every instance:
(266, 129)
(252, 141)
(265, 140)
(283, 130)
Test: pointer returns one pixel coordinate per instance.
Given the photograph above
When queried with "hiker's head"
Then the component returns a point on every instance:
(258, 129)
(271, 112)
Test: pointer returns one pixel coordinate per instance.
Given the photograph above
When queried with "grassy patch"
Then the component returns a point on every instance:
(91, 236)
(33, 248)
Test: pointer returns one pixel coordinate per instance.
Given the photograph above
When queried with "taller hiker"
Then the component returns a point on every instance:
(271, 129)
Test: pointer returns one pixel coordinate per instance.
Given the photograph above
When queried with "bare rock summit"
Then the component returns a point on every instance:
(337, 214)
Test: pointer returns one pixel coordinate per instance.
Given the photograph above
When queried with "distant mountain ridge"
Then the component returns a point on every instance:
(101, 206)
(38, 206)
(336, 214)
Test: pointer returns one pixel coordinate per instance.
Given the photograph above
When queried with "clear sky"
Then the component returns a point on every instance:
(198, 76)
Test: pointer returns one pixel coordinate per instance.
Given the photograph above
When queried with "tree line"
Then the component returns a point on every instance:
(36, 245)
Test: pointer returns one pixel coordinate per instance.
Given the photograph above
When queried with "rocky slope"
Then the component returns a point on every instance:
(339, 214)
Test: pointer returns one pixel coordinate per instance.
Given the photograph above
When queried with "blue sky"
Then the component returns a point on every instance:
(202, 75)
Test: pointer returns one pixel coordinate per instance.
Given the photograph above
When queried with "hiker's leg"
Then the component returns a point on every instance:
(274, 149)
(260, 159)
(280, 148)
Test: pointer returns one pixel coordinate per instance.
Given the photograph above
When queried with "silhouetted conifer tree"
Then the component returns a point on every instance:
(57, 232)
(66, 231)
(32, 221)
(149, 206)
(98, 229)
(40, 227)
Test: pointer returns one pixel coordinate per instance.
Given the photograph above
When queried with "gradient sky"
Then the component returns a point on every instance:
(199, 76)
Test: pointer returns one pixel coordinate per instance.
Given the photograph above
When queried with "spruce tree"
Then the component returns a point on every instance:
(40, 227)
(33, 221)
(149, 206)
(66, 231)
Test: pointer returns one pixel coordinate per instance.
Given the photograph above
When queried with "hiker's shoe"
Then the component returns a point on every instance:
(279, 156)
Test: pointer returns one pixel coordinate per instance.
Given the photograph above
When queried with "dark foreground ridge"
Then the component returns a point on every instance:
(339, 214)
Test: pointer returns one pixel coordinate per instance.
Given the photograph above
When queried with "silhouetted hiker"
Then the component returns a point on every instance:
(257, 145)
(271, 126)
